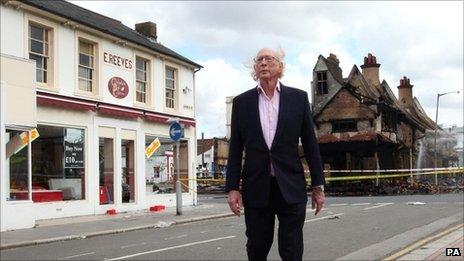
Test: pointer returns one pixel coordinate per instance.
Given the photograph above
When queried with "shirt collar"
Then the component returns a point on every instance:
(261, 90)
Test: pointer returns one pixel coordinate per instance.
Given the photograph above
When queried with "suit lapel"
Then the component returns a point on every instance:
(255, 118)
(283, 105)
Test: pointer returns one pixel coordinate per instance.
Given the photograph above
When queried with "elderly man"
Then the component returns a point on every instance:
(267, 122)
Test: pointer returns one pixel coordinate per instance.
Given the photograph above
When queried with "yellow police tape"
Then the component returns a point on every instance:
(383, 176)
(458, 171)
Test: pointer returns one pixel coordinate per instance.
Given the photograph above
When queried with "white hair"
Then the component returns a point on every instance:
(280, 55)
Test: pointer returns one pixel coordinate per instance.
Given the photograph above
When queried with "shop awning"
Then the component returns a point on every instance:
(48, 99)
(156, 117)
(72, 103)
(119, 111)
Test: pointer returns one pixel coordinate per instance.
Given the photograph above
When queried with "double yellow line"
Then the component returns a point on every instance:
(420, 243)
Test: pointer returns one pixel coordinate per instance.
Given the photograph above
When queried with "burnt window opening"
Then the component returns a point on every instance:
(389, 122)
(344, 126)
(322, 86)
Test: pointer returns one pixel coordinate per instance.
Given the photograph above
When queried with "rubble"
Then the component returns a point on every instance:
(395, 187)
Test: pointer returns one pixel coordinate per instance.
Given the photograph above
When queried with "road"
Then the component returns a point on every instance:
(348, 228)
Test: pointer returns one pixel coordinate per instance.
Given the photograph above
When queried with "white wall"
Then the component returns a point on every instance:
(13, 34)
(14, 29)
(2, 158)
(187, 99)
(66, 63)
(11, 31)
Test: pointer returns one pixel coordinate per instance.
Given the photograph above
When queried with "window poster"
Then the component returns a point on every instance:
(74, 148)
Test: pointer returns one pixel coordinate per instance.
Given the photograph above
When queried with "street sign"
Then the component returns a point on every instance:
(175, 131)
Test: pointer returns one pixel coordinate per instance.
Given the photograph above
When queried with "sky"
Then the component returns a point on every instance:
(420, 40)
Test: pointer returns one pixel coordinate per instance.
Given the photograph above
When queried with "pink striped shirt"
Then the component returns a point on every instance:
(269, 114)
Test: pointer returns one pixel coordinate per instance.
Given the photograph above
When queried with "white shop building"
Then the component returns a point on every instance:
(97, 93)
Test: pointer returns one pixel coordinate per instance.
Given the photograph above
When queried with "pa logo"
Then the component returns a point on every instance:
(452, 251)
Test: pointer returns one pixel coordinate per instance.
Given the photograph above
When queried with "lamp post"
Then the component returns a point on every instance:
(436, 130)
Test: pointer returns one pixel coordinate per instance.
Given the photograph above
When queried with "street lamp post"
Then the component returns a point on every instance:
(436, 130)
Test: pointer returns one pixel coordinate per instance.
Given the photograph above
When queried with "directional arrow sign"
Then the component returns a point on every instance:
(175, 131)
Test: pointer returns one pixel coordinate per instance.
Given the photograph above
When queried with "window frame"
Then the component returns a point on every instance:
(174, 89)
(389, 121)
(45, 42)
(95, 93)
(337, 125)
(322, 86)
(29, 170)
(190, 172)
(84, 128)
(92, 71)
(148, 81)
(52, 70)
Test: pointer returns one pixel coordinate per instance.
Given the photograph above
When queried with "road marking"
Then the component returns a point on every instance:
(132, 245)
(83, 254)
(173, 247)
(360, 204)
(181, 236)
(326, 217)
(338, 205)
(379, 206)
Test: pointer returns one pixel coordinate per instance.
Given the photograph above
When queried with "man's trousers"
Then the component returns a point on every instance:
(260, 227)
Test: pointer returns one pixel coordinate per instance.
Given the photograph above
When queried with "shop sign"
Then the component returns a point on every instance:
(73, 149)
(154, 145)
(118, 87)
(34, 134)
(117, 60)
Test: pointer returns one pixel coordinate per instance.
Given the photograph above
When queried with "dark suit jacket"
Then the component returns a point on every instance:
(295, 121)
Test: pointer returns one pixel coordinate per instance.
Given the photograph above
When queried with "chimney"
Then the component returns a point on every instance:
(333, 58)
(370, 70)
(335, 69)
(147, 29)
(405, 92)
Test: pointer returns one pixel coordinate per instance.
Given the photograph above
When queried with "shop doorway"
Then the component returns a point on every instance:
(128, 170)
(106, 163)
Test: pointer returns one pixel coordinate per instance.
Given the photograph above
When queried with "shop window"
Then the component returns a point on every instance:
(17, 164)
(58, 164)
(322, 86)
(160, 172)
(39, 49)
(128, 170)
(170, 87)
(344, 126)
(106, 160)
(142, 83)
(86, 66)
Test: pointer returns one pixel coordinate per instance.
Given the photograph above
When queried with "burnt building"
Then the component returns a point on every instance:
(361, 125)
(212, 155)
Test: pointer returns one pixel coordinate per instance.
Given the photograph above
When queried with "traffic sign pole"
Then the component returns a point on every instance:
(178, 185)
(175, 132)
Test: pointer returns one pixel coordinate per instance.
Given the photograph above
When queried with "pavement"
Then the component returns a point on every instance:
(432, 247)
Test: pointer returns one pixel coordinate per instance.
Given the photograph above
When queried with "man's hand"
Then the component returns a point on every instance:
(317, 199)
(235, 202)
